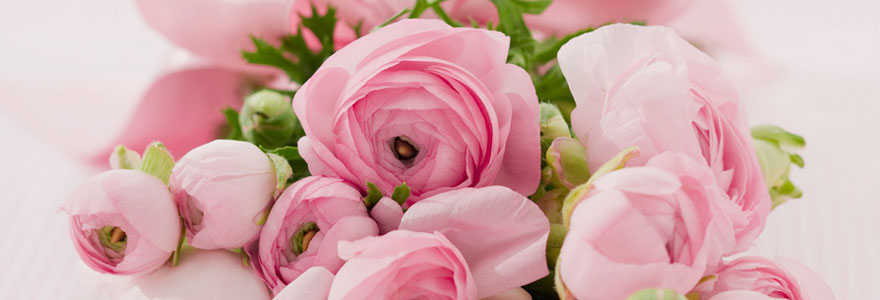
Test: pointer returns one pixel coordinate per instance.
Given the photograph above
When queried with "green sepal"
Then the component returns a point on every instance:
(775, 149)
(577, 194)
(124, 158)
(157, 162)
(283, 172)
(373, 195)
(777, 135)
(401, 193)
(656, 294)
(297, 164)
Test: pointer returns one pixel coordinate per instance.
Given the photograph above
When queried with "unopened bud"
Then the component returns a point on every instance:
(552, 124)
(567, 157)
(267, 119)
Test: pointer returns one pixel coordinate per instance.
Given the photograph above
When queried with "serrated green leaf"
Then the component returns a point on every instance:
(548, 49)
(401, 193)
(511, 23)
(293, 56)
(373, 195)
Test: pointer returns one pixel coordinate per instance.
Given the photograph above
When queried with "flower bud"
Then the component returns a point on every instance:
(267, 119)
(776, 149)
(123, 222)
(222, 190)
(123, 158)
(567, 157)
(552, 124)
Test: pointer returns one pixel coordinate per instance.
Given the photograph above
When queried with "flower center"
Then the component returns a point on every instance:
(300, 240)
(113, 238)
(404, 149)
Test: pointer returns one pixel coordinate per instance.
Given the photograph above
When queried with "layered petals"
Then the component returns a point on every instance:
(426, 104)
(647, 87)
(131, 202)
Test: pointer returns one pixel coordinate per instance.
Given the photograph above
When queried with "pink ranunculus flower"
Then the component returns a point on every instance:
(222, 189)
(647, 87)
(403, 265)
(123, 222)
(758, 278)
(423, 103)
(304, 227)
(638, 228)
(463, 244)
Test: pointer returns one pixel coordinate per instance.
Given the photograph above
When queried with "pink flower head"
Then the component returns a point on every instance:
(638, 228)
(647, 87)
(304, 227)
(222, 190)
(463, 244)
(758, 278)
(423, 103)
(403, 265)
(123, 222)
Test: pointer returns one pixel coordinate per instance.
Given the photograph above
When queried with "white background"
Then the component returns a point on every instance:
(71, 71)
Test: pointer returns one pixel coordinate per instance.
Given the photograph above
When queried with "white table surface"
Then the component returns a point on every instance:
(71, 70)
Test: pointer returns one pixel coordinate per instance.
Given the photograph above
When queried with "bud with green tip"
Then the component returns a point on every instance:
(567, 157)
(267, 119)
(656, 294)
(776, 149)
(157, 161)
(124, 158)
(552, 125)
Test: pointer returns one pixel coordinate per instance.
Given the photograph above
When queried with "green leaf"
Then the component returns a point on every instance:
(401, 193)
(548, 49)
(268, 55)
(233, 127)
(373, 195)
(532, 6)
(511, 23)
(293, 56)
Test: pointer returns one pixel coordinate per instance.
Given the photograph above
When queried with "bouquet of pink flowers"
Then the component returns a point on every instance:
(450, 150)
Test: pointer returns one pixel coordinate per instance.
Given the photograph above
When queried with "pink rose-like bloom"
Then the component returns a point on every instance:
(463, 244)
(222, 190)
(758, 278)
(403, 265)
(330, 209)
(135, 202)
(423, 103)
(647, 87)
(638, 228)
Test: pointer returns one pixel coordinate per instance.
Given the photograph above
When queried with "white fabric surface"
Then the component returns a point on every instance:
(816, 72)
